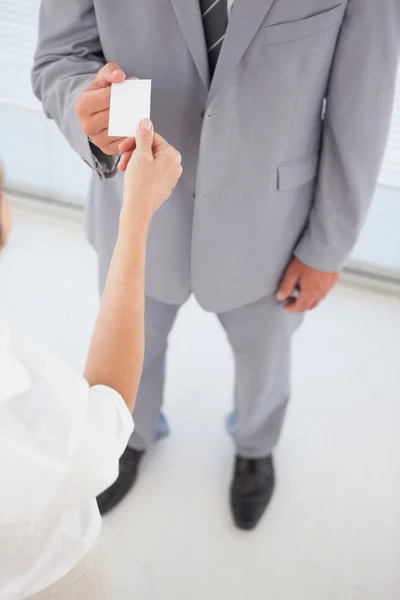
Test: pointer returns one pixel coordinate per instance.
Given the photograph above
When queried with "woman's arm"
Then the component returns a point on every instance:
(116, 351)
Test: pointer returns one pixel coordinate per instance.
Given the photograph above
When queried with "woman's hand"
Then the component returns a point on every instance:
(152, 170)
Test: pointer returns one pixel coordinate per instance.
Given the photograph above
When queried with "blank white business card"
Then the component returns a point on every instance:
(129, 105)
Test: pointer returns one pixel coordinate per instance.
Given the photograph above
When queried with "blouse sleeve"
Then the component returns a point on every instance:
(103, 438)
(60, 442)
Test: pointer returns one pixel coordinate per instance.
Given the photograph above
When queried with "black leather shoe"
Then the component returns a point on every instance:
(251, 491)
(128, 470)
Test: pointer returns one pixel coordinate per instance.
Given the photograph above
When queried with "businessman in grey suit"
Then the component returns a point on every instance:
(281, 110)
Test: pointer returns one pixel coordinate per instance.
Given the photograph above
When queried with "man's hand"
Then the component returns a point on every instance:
(93, 108)
(311, 285)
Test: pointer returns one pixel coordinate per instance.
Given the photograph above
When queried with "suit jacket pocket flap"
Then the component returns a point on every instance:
(295, 173)
(296, 30)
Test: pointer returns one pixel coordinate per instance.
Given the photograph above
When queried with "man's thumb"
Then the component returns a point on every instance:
(110, 73)
(145, 136)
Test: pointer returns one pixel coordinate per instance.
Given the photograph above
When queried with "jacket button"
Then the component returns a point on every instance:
(202, 114)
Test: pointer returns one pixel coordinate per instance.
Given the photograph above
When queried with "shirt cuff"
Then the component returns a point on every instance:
(105, 165)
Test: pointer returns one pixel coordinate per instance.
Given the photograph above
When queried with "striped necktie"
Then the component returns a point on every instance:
(215, 21)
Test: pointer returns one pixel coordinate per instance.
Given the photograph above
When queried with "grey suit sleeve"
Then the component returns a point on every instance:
(359, 107)
(68, 55)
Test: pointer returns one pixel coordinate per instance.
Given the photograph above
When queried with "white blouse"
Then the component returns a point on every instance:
(60, 444)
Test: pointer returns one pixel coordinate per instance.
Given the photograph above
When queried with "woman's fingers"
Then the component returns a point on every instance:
(127, 145)
(124, 161)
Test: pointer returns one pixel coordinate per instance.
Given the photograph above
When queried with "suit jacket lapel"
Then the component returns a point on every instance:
(245, 20)
(189, 17)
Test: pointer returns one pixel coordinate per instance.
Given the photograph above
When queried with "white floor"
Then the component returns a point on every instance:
(333, 530)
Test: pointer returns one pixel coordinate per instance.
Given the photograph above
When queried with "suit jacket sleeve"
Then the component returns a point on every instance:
(359, 107)
(68, 56)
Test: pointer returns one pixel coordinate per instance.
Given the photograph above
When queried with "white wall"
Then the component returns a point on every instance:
(36, 157)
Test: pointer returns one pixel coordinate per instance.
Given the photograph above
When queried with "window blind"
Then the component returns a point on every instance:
(18, 33)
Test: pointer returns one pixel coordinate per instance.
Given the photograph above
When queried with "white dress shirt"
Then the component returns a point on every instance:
(60, 444)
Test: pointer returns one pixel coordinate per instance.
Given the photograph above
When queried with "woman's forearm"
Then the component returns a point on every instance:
(116, 351)
(115, 357)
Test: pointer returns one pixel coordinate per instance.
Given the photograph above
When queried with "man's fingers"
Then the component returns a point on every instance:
(315, 304)
(96, 124)
(288, 284)
(318, 299)
(91, 102)
(108, 145)
(113, 144)
(145, 136)
(295, 306)
(100, 138)
(103, 139)
(98, 100)
(303, 303)
(110, 73)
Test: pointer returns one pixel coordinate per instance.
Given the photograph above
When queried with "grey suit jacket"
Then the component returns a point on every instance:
(268, 172)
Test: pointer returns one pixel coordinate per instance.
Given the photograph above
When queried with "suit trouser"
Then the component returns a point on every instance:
(260, 336)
